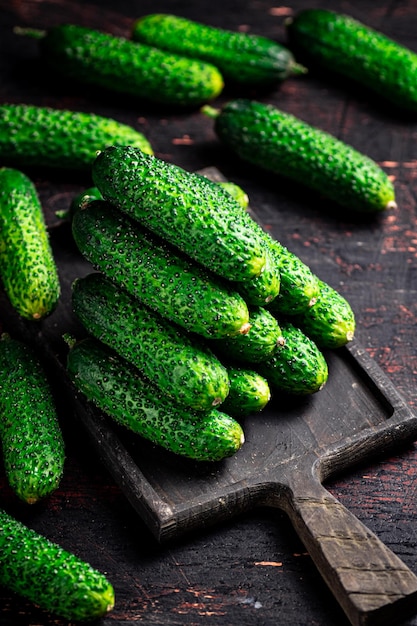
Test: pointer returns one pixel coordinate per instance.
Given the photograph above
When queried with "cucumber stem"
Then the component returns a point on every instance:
(210, 111)
(29, 32)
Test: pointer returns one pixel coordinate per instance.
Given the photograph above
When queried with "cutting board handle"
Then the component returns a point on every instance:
(372, 585)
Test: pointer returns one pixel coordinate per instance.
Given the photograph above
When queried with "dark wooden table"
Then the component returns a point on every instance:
(253, 569)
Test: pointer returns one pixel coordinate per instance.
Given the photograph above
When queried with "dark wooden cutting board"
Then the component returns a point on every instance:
(291, 448)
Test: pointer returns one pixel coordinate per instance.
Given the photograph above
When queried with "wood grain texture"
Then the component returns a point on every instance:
(253, 569)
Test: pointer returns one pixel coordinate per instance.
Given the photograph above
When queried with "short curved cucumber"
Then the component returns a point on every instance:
(31, 438)
(27, 265)
(298, 366)
(187, 209)
(120, 65)
(156, 273)
(60, 139)
(56, 580)
(330, 322)
(285, 145)
(249, 392)
(118, 389)
(176, 361)
(340, 44)
(243, 58)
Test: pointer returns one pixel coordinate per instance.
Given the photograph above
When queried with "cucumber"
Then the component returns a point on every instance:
(258, 344)
(286, 146)
(264, 288)
(60, 139)
(330, 322)
(249, 392)
(192, 212)
(156, 273)
(123, 66)
(49, 576)
(176, 361)
(298, 366)
(117, 388)
(243, 58)
(31, 438)
(340, 44)
(27, 266)
(236, 192)
(299, 286)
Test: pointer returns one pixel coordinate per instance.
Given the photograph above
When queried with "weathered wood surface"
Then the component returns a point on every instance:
(253, 569)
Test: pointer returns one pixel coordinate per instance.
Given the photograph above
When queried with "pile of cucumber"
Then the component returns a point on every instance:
(195, 317)
(187, 332)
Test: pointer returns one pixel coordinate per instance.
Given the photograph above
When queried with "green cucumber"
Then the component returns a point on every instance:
(118, 389)
(49, 576)
(258, 344)
(236, 192)
(243, 58)
(330, 322)
(340, 44)
(195, 214)
(297, 366)
(120, 65)
(27, 266)
(176, 361)
(30, 433)
(264, 288)
(299, 285)
(57, 138)
(286, 146)
(156, 273)
(249, 392)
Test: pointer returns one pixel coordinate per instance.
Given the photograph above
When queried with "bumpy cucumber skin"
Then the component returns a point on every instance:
(54, 138)
(258, 344)
(192, 212)
(49, 576)
(330, 322)
(264, 288)
(30, 433)
(249, 392)
(129, 67)
(298, 366)
(156, 273)
(181, 366)
(340, 44)
(118, 389)
(299, 285)
(243, 58)
(27, 265)
(285, 145)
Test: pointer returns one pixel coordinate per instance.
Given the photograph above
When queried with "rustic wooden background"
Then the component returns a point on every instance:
(254, 569)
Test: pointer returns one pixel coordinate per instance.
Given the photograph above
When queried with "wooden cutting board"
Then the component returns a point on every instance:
(291, 448)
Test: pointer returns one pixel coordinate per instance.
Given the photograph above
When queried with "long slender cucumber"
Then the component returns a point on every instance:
(31, 437)
(339, 44)
(49, 576)
(117, 388)
(176, 361)
(132, 68)
(42, 136)
(243, 58)
(156, 273)
(27, 265)
(189, 210)
(286, 146)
